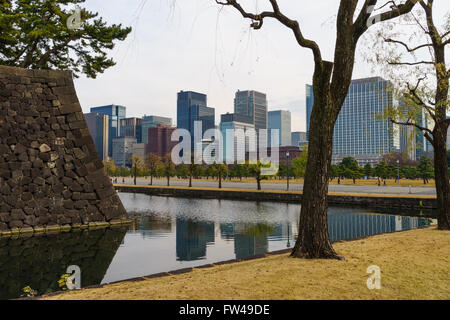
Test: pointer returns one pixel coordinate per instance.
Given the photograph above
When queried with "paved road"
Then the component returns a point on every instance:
(281, 186)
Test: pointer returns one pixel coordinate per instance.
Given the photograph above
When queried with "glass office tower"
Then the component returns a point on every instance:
(115, 113)
(153, 122)
(360, 130)
(254, 105)
(280, 120)
(191, 107)
(98, 125)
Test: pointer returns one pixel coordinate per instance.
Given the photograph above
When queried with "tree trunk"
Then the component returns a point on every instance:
(220, 181)
(151, 180)
(190, 181)
(441, 177)
(313, 239)
(259, 183)
(168, 181)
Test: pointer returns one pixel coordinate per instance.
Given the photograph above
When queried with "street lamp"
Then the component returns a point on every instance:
(398, 171)
(287, 156)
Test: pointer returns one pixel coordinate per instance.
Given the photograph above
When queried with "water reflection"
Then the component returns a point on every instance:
(192, 239)
(40, 261)
(174, 233)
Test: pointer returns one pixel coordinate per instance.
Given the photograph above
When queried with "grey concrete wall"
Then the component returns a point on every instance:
(50, 171)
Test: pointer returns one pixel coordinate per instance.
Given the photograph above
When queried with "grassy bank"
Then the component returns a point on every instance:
(414, 265)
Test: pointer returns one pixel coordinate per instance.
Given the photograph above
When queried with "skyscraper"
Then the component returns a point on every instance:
(131, 127)
(280, 120)
(309, 107)
(115, 113)
(152, 122)
(98, 125)
(359, 130)
(240, 144)
(298, 139)
(254, 105)
(159, 140)
(123, 150)
(192, 107)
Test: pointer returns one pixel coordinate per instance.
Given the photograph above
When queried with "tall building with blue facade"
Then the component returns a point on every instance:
(131, 127)
(98, 125)
(280, 120)
(115, 113)
(309, 106)
(360, 130)
(192, 107)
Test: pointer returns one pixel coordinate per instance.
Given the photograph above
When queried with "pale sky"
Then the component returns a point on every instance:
(197, 45)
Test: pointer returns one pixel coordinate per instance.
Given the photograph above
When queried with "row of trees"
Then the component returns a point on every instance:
(350, 169)
(156, 166)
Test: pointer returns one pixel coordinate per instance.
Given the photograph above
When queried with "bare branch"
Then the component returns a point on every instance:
(409, 63)
(406, 46)
(361, 24)
(258, 20)
(412, 124)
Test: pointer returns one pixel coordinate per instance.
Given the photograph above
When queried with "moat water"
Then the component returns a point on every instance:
(175, 233)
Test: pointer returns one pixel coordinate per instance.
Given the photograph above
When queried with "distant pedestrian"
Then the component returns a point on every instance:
(123, 180)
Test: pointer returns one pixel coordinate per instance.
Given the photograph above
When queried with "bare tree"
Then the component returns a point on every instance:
(331, 81)
(413, 58)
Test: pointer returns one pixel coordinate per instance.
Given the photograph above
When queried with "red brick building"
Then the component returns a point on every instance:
(159, 140)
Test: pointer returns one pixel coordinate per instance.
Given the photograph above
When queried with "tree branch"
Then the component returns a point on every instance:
(258, 20)
(406, 46)
(412, 124)
(409, 63)
(361, 24)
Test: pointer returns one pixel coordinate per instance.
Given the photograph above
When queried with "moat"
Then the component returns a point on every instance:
(175, 233)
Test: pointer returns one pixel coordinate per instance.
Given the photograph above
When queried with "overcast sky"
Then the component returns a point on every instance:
(197, 45)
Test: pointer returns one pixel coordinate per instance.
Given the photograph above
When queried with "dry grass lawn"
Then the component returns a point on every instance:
(414, 265)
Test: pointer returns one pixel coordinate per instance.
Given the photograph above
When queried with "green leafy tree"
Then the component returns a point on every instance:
(153, 161)
(425, 169)
(350, 168)
(221, 172)
(168, 167)
(368, 171)
(34, 34)
(137, 166)
(256, 170)
(334, 172)
(110, 167)
(299, 163)
(381, 171)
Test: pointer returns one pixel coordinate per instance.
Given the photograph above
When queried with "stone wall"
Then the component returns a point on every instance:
(50, 171)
